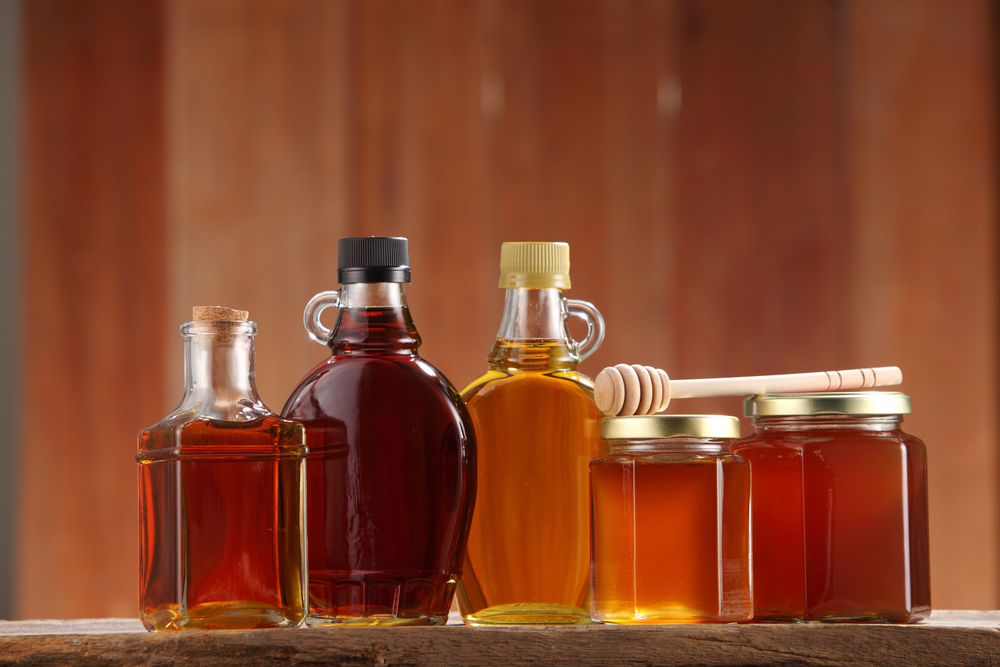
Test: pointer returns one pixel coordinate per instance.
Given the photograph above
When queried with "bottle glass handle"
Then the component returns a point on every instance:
(315, 308)
(595, 325)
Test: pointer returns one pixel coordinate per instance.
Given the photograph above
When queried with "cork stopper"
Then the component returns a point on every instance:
(224, 321)
(219, 314)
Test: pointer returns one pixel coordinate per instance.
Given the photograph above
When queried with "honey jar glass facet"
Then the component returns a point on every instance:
(670, 522)
(839, 507)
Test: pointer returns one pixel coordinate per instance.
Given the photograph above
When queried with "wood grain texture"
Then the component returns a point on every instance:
(258, 173)
(949, 638)
(746, 189)
(921, 276)
(582, 153)
(758, 236)
(294, 124)
(834, 209)
(419, 147)
(94, 281)
(457, 124)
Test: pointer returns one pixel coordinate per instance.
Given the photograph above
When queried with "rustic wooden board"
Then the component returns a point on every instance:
(949, 638)
(916, 299)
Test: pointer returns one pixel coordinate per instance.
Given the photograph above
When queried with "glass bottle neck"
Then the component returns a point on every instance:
(373, 319)
(220, 373)
(792, 423)
(533, 333)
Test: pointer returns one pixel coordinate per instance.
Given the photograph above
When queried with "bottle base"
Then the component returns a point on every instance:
(902, 617)
(379, 597)
(528, 613)
(372, 621)
(669, 619)
(221, 616)
(790, 616)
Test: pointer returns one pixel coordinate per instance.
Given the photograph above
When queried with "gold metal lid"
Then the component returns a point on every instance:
(828, 403)
(670, 426)
(534, 265)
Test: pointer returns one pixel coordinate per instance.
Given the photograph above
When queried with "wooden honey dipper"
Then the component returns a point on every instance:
(624, 390)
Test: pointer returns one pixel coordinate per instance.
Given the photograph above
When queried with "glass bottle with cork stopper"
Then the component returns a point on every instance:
(221, 497)
(537, 425)
(392, 465)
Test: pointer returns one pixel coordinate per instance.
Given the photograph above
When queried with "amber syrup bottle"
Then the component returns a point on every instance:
(221, 497)
(538, 428)
(392, 468)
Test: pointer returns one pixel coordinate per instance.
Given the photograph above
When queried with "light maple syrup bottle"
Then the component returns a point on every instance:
(537, 429)
(221, 494)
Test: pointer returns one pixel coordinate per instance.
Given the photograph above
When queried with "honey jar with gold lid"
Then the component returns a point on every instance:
(839, 508)
(670, 522)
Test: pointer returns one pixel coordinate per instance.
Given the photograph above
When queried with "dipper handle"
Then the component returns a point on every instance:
(625, 390)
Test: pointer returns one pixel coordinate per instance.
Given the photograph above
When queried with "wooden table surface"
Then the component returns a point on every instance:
(948, 638)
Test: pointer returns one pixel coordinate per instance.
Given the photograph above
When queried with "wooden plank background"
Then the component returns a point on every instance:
(94, 322)
(773, 187)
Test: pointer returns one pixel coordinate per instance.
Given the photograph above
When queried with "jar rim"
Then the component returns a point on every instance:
(670, 426)
(827, 403)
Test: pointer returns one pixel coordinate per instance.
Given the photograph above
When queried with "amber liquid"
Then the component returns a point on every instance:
(861, 525)
(671, 538)
(537, 425)
(391, 477)
(221, 524)
(779, 592)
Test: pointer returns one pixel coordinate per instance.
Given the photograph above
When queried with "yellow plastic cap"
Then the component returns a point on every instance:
(534, 265)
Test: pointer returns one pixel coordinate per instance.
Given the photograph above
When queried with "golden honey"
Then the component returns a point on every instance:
(670, 510)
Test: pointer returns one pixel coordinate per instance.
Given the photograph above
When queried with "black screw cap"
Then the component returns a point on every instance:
(373, 259)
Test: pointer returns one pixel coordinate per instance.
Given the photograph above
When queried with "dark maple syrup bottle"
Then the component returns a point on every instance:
(391, 474)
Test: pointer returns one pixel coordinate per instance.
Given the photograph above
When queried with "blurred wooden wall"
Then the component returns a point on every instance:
(759, 187)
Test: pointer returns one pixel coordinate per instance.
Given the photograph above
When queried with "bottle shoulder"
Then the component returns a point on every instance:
(341, 383)
(565, 382)
(412, 366)
(346, 362)
(187, 416)
(180, 436)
